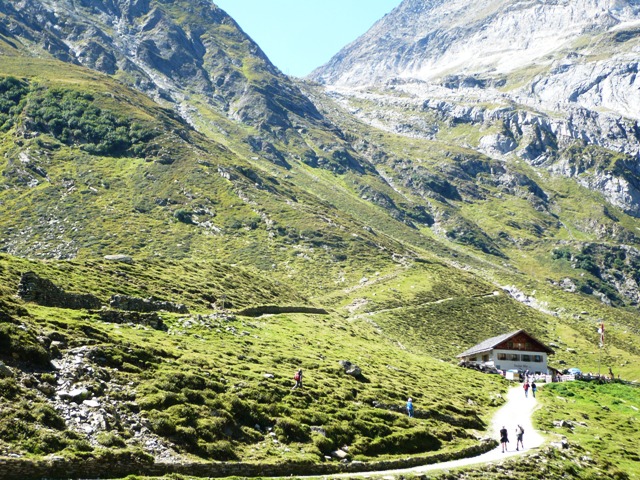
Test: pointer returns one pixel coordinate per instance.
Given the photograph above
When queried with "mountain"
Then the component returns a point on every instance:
(549, 55)
(183, 226)
(166, 49)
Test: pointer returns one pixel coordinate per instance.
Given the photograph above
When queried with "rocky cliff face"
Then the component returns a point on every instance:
(545, 76)
(170, 50)
(587, 50)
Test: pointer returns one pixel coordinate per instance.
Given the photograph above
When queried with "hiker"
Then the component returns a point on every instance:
(526, 389)
(298, 378)
(410, 408)
(534, 388)
(519, 435)
(504, 439)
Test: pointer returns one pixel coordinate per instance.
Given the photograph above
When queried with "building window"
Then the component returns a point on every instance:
(526, 358)
(537, 358)
(514, 357)
(502, 356)
(485, 358)
(509, 345)
(473, 359)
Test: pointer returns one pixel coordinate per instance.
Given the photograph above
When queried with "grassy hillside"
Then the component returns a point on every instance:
(417, 249)
(214, 385)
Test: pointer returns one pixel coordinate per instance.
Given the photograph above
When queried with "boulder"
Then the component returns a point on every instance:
(33, 288)
(341, 454)
(498, 144)
(5, 371)
(79, 395)
(319, 430)
(119, 258)
(350, 368)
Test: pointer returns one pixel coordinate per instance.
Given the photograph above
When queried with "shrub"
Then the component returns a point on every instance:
(176, 381)
(412, 441)
(212, 428)
(110, 439)
(162, 424)
(12, 93)
(22, 345)
(220, 450)
(289, 431)
(45, 442)
(74, 118)
(9, 388)
(47, 416)
(324, 444)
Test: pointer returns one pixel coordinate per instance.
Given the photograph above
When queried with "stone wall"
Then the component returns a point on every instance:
(33, 288)
(151, 319)
(59, 468)
(135, 304)
(275, 309)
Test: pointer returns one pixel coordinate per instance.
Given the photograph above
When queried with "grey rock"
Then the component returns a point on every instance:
(119, 258)
(5, 371)
(350, 368)
(319, 430)
(33, 288)
(341, 454)
(497, 144)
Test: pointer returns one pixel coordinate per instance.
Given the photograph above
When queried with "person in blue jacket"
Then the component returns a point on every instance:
(410, 407)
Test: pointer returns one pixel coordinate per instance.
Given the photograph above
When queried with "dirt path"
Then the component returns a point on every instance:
(516, 410)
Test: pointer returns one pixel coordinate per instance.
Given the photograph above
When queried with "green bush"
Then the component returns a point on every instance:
(417, 440)
(43, 442)
(221, 450)
(289, 431)
(212, 428)
(176, 381)
(74, 118)
(47, 416)
(110, 439)
(12, 94)
(323, 444)
(161, 424)
(22, 345)
(9, 388)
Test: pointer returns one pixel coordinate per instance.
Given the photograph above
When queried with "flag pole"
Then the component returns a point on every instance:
(601, 346)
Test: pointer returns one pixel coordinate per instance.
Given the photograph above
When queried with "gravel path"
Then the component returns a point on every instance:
(516, 410)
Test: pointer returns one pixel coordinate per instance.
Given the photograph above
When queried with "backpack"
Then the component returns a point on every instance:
(296, 377)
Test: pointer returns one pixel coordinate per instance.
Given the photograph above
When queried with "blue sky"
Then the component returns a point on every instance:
(300, 35)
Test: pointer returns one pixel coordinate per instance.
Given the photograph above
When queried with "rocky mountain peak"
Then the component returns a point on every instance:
(167, 49)
(551, 55)
(428, 40)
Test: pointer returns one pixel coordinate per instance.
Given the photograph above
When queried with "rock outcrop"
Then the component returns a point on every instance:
(33, 288)
(169, 52)
(150, 319)
(524, 68)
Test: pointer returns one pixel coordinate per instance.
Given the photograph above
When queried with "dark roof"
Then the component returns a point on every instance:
(490, 343)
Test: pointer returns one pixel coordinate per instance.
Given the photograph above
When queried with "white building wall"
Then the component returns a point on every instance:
(519, 364)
